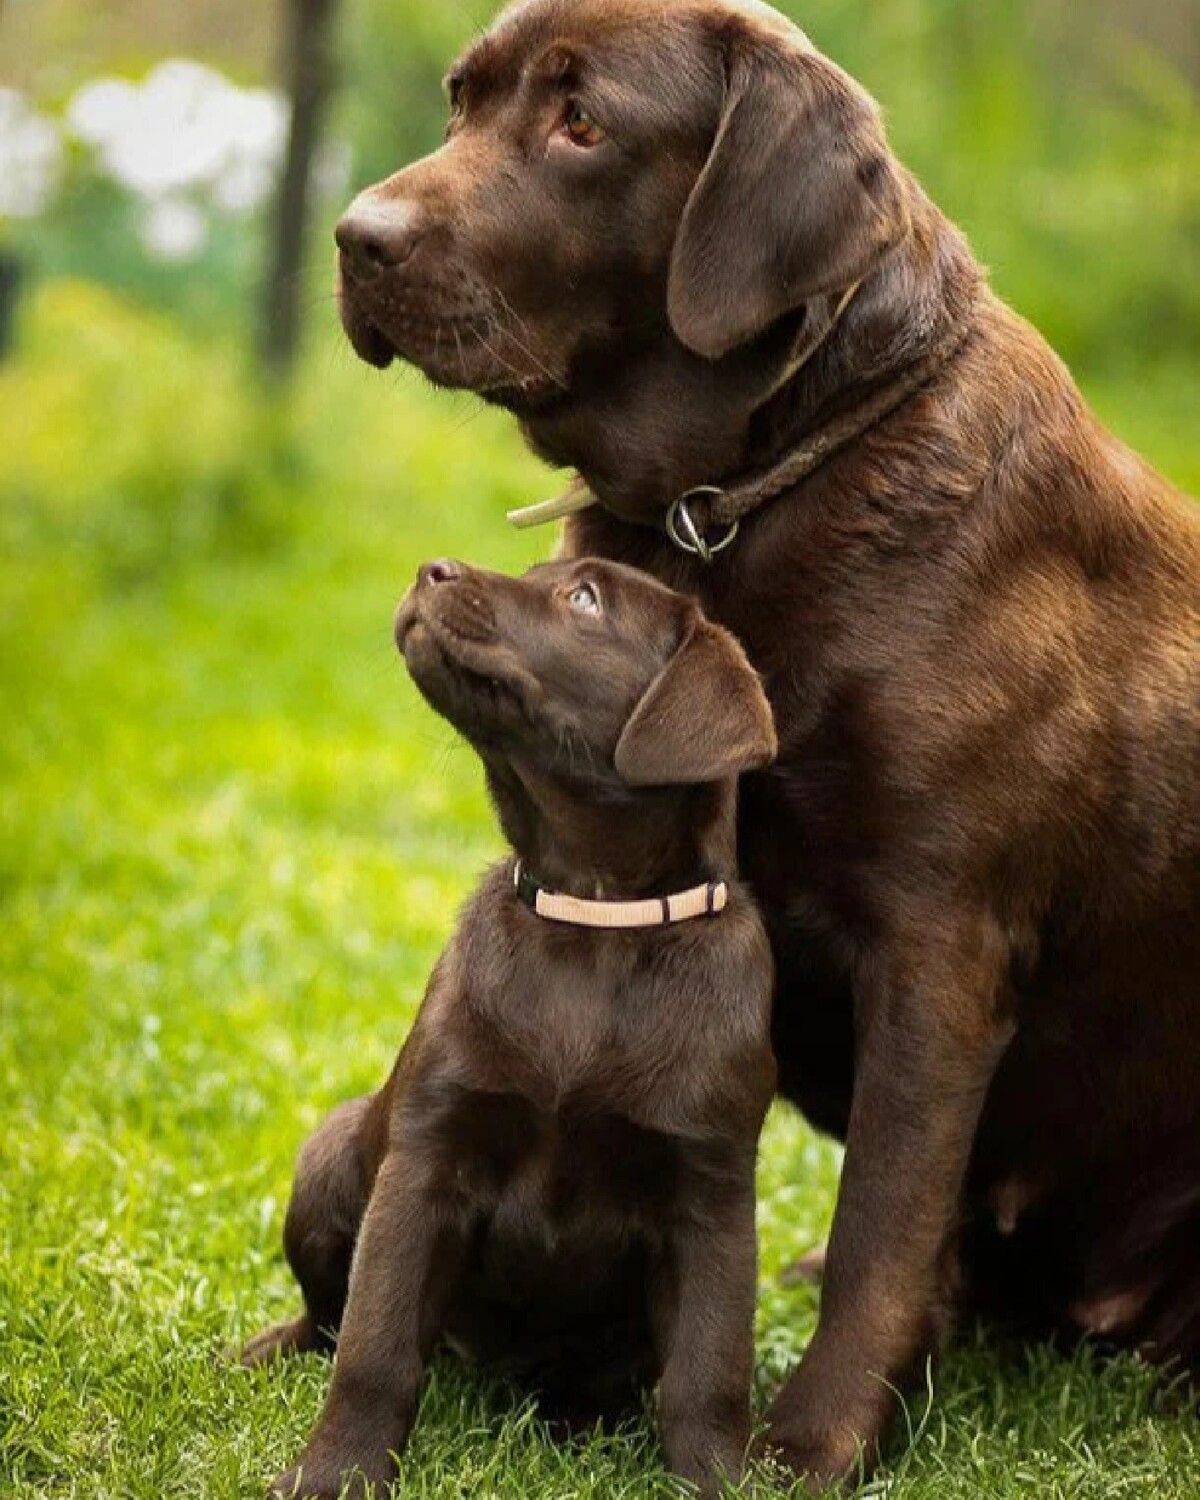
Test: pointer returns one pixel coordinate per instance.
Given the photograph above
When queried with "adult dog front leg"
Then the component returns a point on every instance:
(407, 1260)
(933, 1022)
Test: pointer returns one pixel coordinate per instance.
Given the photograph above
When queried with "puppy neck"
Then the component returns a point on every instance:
(618, 846)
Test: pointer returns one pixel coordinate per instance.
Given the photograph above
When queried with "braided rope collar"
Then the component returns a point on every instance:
(656, 911)
(697, 512)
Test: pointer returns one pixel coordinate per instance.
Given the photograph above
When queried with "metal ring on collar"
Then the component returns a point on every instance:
(687, 536)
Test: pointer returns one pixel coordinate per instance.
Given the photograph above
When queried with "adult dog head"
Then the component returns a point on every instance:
(641, 216)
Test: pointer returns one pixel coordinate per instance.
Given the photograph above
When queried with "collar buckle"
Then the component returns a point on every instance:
(687, 536)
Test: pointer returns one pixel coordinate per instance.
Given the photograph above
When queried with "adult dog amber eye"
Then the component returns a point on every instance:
(580, 128)
(584, 600)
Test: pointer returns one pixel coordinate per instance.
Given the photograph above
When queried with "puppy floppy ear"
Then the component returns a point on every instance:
(800, 196)
(704, 717)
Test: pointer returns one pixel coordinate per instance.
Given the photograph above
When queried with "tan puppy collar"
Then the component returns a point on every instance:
(656, 911)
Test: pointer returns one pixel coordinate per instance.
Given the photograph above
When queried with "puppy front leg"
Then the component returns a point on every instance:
(932, 1028)
(703, 1314)
(407, 1260)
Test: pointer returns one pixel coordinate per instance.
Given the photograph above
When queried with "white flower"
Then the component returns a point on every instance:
(173, 229)
(31, 157)
(256, 123)
(102, 109)
(242, 187)
(185, 129)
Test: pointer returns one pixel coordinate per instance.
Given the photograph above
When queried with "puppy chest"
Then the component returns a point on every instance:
(541, 1179)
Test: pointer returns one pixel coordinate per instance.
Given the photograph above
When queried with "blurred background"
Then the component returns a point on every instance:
(231, 837)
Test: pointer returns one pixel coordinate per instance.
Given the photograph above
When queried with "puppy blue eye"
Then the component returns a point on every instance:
(583, 598)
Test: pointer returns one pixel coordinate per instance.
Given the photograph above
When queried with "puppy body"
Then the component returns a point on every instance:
(558, 1177)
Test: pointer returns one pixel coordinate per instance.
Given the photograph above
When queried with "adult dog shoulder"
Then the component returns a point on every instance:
(674, 242)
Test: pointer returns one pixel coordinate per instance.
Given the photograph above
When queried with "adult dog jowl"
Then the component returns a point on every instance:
(673, 241)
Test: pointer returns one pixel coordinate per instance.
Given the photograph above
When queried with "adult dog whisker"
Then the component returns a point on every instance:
(520, 343)
(496, 355)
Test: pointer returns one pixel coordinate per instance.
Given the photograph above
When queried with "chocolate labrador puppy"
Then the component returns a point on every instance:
(558, 1176)
(673, 240)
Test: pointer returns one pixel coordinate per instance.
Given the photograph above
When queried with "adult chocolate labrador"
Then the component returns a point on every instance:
(672, 239)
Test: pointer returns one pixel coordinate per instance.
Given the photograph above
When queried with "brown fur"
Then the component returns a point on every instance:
(558, 1177)
(978, 623)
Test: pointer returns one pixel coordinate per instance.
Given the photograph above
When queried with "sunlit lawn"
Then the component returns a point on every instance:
(231, 843)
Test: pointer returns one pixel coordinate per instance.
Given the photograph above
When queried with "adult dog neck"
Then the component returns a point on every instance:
(646, 429)
(624, 846)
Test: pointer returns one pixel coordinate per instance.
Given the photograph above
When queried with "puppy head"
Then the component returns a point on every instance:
(587, 670)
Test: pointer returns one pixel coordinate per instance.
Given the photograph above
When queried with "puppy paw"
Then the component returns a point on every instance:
(296, 1337)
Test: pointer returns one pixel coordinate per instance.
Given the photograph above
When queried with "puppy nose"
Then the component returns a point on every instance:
(441, 570)
(374, 235)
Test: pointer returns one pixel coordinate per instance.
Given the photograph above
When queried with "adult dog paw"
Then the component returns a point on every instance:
(325, 1477)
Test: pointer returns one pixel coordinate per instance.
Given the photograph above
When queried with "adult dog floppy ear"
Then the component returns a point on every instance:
(800, 196)
(704, 717)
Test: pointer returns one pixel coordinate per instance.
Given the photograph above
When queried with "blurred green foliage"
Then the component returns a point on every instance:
(91, 233)
(394, 59)
(132, 446)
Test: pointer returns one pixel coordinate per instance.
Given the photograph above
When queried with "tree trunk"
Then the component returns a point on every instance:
(309, 76)
(10, 288)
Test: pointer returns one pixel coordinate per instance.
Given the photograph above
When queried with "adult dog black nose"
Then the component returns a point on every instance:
(375, 234)
(441, 570)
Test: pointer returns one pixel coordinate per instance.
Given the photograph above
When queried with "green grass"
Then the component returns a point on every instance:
(232, 841)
